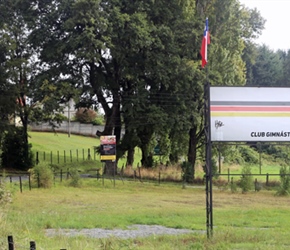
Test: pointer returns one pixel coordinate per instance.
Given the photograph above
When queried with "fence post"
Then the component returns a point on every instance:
(29, 181)
(256, 185)
(37, 159)
(139, 171)
(10, 243)
(70, 154)
(267, 179)
(64, 156)
(228, 175)
(58, 157)
(134, 175)
(20, 183)
(61, 175)
(89, 154)
(32, 245)
(50, 157)
(38, 181)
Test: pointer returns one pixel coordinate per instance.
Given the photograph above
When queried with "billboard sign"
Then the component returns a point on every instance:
(108, 148)
(250, 114)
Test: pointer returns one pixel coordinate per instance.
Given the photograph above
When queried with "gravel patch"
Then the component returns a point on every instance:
(133, 231)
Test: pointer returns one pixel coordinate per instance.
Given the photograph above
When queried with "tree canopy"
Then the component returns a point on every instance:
(138, 61)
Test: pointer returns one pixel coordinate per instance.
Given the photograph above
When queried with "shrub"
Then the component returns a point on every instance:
(214, 168)
(42, 175)
(85, 115)
(246, 182)
(284, 187)
(75, 180)
(99, 120)
(250, 155)
(187, 172)
(16, 151)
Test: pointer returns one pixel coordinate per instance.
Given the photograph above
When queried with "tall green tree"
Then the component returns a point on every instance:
(268, 68)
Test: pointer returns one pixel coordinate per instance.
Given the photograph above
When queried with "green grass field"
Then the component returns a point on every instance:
(255, 220)
(60, 148)
(241, 221)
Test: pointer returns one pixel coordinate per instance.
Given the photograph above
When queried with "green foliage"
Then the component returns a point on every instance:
(187, 172)
(5, 194)
(246, 182)
(214, 167)
(75, 179)
(42, 175)
(268, 69)
(233, 187)
(249, 154)
(16, 151)
(284, 188)
(99, 120)
(240, 154)
(85, 115)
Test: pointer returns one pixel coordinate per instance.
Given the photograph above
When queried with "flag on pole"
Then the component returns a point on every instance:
(205, 42)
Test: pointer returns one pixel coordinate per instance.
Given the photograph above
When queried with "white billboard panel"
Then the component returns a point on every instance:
(250, 114)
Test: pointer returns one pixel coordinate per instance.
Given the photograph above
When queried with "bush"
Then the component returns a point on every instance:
(187, 172)
(85, 115)
(214, 168)
(75, 180)
(42, 175)
(16, 151)
(284, 187)
(246, 182)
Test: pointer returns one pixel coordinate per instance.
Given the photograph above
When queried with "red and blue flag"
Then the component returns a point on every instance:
(205, 42)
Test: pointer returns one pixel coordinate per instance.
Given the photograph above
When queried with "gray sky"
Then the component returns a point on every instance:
(276, 34)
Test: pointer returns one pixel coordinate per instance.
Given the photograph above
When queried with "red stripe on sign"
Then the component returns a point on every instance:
(249, 108)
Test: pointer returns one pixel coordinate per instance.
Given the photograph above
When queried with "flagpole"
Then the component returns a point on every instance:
(207, 131)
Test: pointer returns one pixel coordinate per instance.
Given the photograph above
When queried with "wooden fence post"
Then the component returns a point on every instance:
(89, 154)
(37, 159)
(29, 181)
(20, 183)
(38, 180)
(10, 243)
(32, 245)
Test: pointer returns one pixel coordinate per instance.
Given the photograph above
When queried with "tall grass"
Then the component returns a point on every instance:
(241, 221)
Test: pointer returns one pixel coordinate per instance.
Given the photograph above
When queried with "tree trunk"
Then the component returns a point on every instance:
(110, 168)
(191, 156)
(147, 157)
(130, 156)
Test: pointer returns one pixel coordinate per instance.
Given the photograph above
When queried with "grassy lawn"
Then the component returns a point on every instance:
(59, 148)
(241, 221)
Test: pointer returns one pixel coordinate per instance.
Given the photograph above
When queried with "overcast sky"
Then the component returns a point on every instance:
(277, 14)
